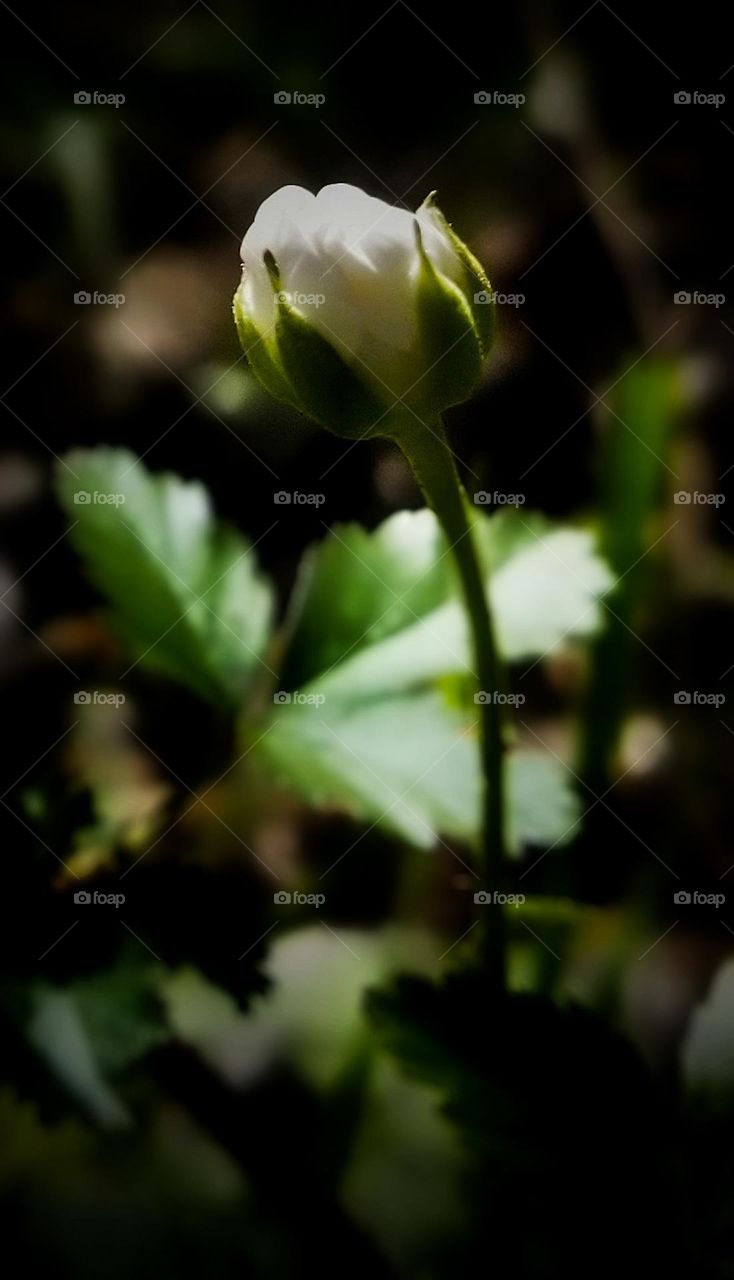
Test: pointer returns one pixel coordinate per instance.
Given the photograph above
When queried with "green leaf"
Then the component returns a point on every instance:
(44, 1153)
(707, 1053)
(120, 1014)
(183, 589)
(638, 427)
(546, 585)
(90, 1033)
(520, 1086)
(411, 763)
(57, 1032)
(381, 611)
(550, 1104)
(356, 588)
(375, 725)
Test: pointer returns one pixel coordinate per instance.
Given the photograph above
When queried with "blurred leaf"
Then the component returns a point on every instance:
(120, 1014)
(546, 589)
(632, 474)
(404, 1140)
(91, 1032)
(381, 610)
(356, 588)
(377, 624)
(707, 1053)
(310, 1016)
(36, 1152)
(484, 1054)
(412, 764)
(58, 1033)
(122, 781)
(208, 1019)
(551, 1103)
(184, 590)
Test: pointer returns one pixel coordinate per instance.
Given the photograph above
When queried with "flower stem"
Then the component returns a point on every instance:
(432, 462)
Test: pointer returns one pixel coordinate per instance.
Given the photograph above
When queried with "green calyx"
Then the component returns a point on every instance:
(327, 388)
(476, 278)
(261, 359)
(450, 341)
(299, 366)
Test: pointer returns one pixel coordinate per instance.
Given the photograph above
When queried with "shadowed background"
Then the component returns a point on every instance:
(256, 1146)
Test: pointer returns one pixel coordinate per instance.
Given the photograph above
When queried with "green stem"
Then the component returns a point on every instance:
(432, 462)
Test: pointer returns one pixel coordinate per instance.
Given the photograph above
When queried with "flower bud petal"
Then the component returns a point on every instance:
(357, 313)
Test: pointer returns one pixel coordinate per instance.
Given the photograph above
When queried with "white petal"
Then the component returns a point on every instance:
(350, 264)
(278, 228)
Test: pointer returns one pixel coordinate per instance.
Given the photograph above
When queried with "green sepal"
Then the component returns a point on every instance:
(326, 387)
(449, 338)
(260, 358)
(477, 280)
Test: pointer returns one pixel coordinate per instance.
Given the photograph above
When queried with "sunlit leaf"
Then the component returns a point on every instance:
(184, 590)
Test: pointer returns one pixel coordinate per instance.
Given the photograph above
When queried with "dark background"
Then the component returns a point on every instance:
(149, 199)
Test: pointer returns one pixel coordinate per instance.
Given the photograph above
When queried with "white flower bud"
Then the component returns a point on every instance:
(352, 310)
